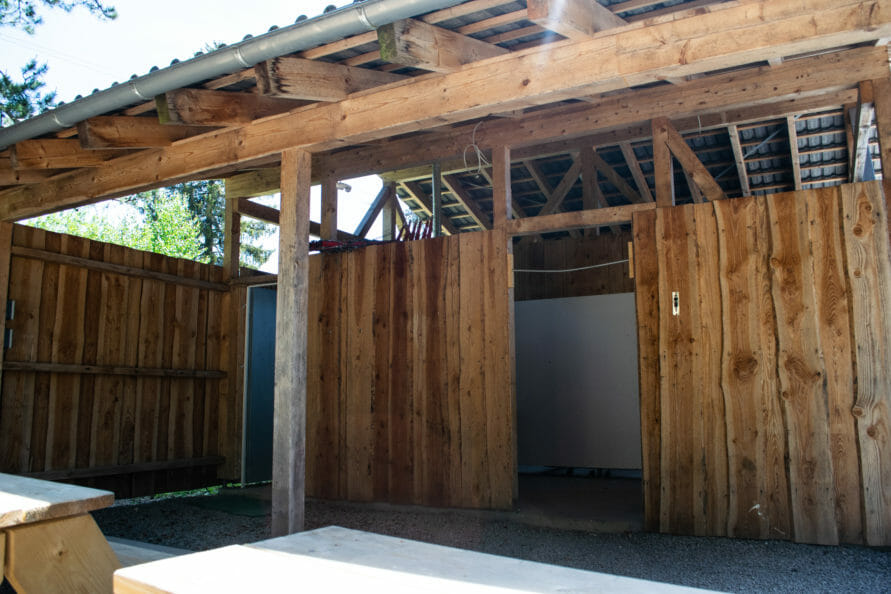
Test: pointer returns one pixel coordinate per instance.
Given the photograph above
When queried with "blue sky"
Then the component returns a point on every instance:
(84, 53)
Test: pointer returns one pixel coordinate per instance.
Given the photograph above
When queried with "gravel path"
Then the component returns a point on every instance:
(715, 563)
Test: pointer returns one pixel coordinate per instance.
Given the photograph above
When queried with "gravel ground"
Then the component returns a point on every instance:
(714, 563)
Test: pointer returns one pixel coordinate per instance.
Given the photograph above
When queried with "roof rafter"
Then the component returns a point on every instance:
(311, 80)
(687, 45)
(573, 18)
(418, 44)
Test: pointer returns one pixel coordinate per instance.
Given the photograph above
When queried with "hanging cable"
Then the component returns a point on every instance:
(551, 271)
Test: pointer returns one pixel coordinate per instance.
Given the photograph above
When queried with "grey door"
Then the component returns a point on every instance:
(259, 384)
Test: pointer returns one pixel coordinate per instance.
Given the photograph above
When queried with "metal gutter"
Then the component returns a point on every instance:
(356, 18)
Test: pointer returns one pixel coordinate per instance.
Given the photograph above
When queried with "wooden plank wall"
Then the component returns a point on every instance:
(569, 253)
(409, 390)
(766, 400)
(113, 373)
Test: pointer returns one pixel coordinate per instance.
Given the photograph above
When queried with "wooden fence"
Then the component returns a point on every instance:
(410, 396)
(117, 371)
(765, 396)
(570, 253)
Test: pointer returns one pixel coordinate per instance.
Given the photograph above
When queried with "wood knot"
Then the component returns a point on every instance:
(526, 82)
(857, 230)
(871, 431)
(744, 366)
(858, 412)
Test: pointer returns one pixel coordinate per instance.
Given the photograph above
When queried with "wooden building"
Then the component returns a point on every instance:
(734, 143)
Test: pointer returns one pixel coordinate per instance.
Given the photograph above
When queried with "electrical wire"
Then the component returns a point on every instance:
(552, 271)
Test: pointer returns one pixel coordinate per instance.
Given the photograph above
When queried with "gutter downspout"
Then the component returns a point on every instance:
(359, 17)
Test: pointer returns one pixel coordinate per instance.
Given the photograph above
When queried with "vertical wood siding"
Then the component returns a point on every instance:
(765, 401)
(409, 387)
(58, 421)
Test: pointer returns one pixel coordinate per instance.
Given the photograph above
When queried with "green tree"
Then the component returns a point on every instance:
(170, 229)
(206, 202)
(23, 98)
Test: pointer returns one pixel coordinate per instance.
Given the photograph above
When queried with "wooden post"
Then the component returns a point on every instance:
(232, 242)
(388, 215)
(289, 431)
(5, 261)
(663, 168)
(329, 208)
(501, 189)
(437, 199)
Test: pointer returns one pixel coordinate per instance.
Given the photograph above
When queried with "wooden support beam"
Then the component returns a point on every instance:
(232, 239)
(291, 323)
(311, 80)
(388, 219)
(457, 189)
(271, 215)
(607, 171)
(415, 43)
(663, 165)
(261, 182)
(329, 208)
(581, 219)
(415, 191)
(78, 262)
(862, 127)
(640, 179)
(695, 192)
(436, 198)
(754, 94)
(592, 194)
(202, 107)
(516, 210)
(740, 160)
(56, 153)
(501, 187)
(574, 19)
(688, 45)
(123, 132)
(569, 180)
(386, 193)
(11, 177)
(882, 89)
(691, 163)
(793, 150)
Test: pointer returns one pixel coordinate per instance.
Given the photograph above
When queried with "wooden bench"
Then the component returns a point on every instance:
(49, 542)
(133, 552)
(340, 560)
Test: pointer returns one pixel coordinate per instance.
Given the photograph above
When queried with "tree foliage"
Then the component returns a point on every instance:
(170, 230)
(25, 14)
(22, 98)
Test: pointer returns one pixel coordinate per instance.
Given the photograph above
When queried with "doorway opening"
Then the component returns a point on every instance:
(578, 407)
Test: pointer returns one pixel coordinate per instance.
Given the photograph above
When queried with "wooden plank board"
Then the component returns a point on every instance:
(400, 386)
(865, 229)
(474, 452)
(67, 347)
(646, 278)
(27, 500)
(452, 338)
(803, 392)
(710, 437)
(758, 493)
(47, 316)
(832, 311)
(18, 389)
(677, 345)
(383, 367)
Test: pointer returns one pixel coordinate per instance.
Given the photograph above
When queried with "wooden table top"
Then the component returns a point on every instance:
(25, 500)
(336, 559)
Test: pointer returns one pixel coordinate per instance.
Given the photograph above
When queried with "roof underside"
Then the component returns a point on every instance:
(809, 144)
